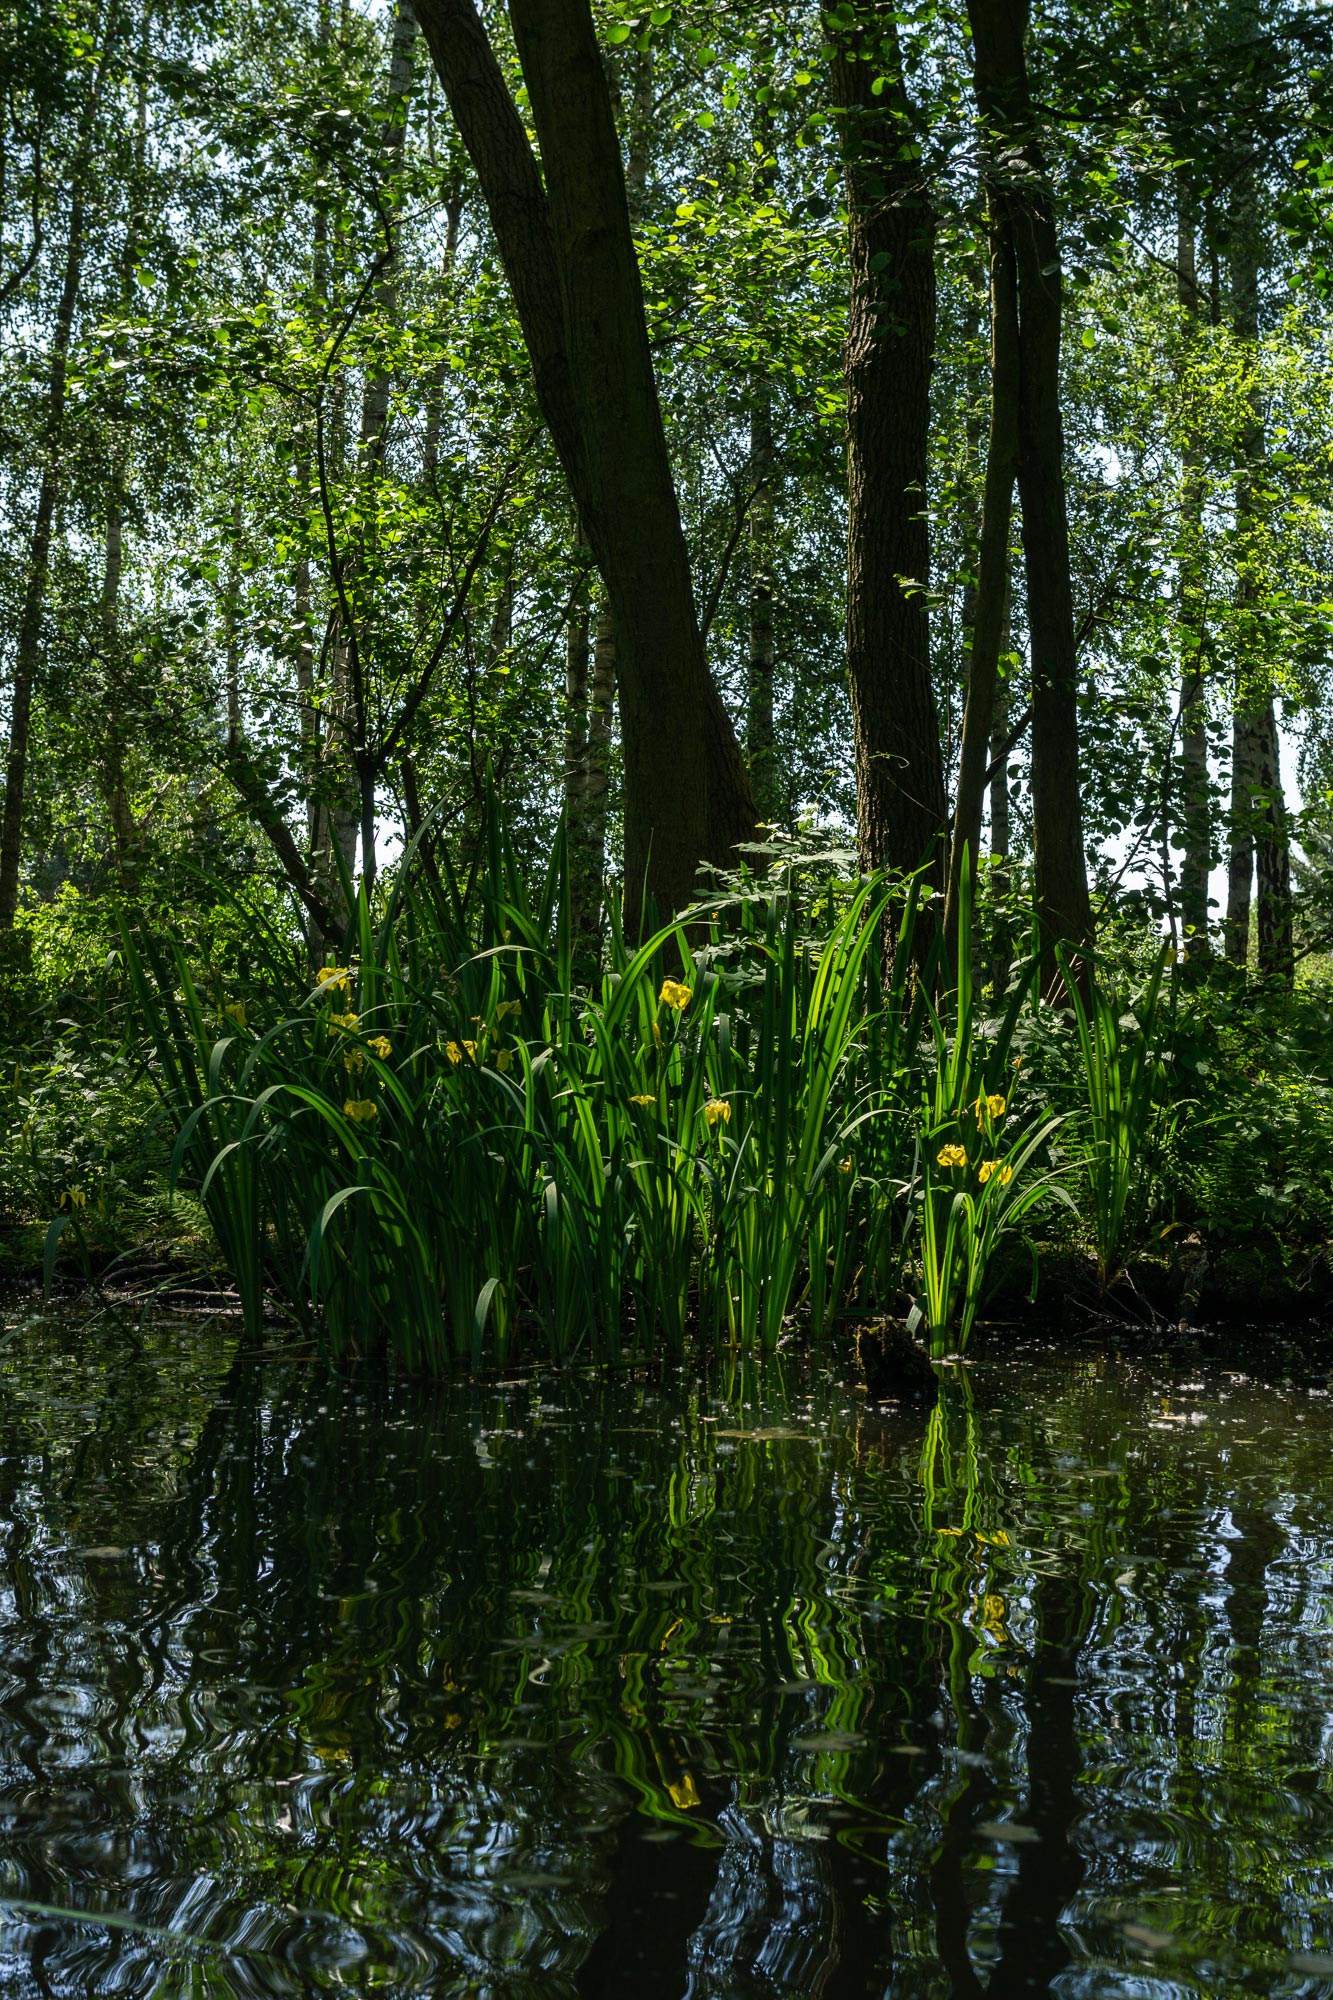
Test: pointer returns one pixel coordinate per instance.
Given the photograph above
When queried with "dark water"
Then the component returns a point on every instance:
(557, 1689)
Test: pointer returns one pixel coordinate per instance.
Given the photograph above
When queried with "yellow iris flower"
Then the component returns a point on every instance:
(717, 1111)
(676, 995)
(951, 1156)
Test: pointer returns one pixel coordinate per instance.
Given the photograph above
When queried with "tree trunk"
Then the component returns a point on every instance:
(123, 829)
(601, 704)
(901, 811)
(1195, 802)
(760, 740)
(27, 648)
(1002, 948)
(991, 606)
(231, 633)
(1272, 857)
(578, 632)
(1259, 823)
(355, 811)
(345, 787)
(1245, 759)
(569, 256)
(307, 714)
(430, 447)
(597, 768)
(375, 401)
(1026, 211)
(634, 515)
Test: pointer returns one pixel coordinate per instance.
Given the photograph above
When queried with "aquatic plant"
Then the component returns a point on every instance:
(978, 1160)
(1125, 1116)
(441, 1140)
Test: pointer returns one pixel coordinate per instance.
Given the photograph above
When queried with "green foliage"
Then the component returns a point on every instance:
(978, 1159)
(1253, 1154)
(82, 1136)
(1126, 1118)
(442, 1143)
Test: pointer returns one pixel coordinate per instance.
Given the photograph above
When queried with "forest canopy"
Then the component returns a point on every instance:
(688, 421)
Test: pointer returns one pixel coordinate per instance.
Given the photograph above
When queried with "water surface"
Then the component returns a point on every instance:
(565, 1688)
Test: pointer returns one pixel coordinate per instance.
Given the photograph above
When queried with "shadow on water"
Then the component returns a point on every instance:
(571, 1688)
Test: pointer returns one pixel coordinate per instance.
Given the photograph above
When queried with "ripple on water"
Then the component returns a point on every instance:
(313, 1687)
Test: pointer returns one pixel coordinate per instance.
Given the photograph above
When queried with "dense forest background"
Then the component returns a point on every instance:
(292, 565)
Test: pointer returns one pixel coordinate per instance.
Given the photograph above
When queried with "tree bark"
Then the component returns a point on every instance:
(597, 767)
(430, 447)
(118, 724)
(578, 653)
(1272, 855)
(28, 644)
(1002, 948)
(760, 740)
(991, 606)
(901, 810)
(375, 401)
(1240, 847)
(123, 830)
(569, 256)
(1259, 823)
(1027, 213)
(231, 633)
(1196, 827)
(355, 811)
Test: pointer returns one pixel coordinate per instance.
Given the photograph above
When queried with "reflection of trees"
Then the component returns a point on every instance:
(771, 1926)
(393, 1684)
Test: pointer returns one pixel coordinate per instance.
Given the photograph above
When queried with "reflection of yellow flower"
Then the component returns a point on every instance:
(1002, 1174)
(456, 1051)
(717, 1111)
(685, 1794)
(643, 1097)
(361, 1110)
(381, 1046)
(674, 994)
(992, 1615)
(951, 1156)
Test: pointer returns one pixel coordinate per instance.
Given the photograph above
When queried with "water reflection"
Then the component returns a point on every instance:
(543, 1689)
